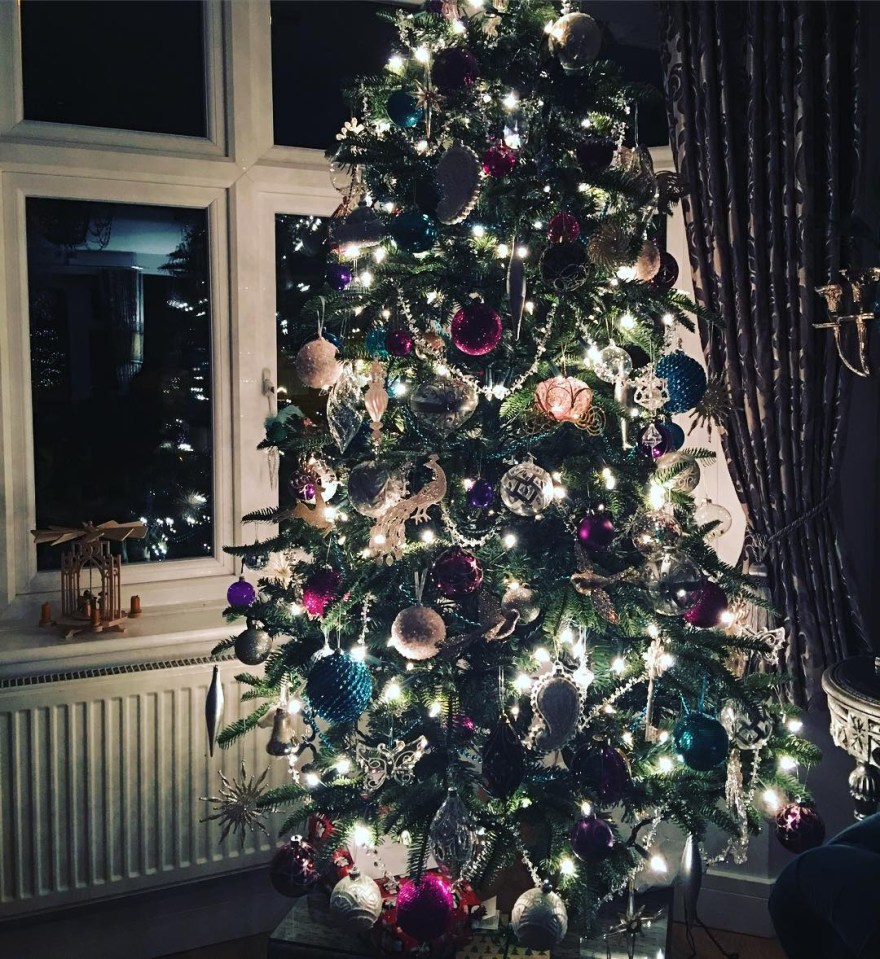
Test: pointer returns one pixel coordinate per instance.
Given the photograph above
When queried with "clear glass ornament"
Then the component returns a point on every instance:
(452, 836)
(654, 532)
(613, 364)
(344, 407)
(526, 489)
(709, 512)
(674, 583)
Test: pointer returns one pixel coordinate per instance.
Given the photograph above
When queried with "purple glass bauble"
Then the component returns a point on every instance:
(240, 593)
(320, 590)
(476, 329)
(292, 869)
(481, 495)
(338, 277)
(661, 447)
(666, 277)
(499, 160)
(596, 531)
(563, 228)
(799, 827)
(457, 573)
(399, 342)
(706, 614)
(454, 69)
(425, 907)
(594, 155)
(602, 772)
(592, 839)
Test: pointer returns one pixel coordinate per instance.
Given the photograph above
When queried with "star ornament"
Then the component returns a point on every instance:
(236, 808)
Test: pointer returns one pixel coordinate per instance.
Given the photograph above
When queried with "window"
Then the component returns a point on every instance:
(121, 372)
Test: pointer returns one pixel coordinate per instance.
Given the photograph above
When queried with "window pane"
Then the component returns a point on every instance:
(137, 65)
(120, 332)
(318, 50)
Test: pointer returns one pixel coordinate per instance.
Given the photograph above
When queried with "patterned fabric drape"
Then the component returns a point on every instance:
(765, 109)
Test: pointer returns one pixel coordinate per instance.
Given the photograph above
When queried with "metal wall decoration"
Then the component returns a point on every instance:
(852, 301)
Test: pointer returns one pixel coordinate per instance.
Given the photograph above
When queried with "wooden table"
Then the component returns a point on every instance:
(853, 690)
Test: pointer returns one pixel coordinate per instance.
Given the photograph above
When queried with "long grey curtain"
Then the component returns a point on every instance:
(765, 104)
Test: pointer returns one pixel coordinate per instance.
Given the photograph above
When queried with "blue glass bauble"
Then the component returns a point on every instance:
(404, 109)
(701, 740)
(674, 435)
(413, 232)
(375, 343)
(338, 688)
(685, 380)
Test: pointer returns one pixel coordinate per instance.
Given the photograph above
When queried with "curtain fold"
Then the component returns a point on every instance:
(765, 106)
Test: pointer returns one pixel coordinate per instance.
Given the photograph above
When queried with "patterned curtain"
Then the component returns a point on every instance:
(765, 104)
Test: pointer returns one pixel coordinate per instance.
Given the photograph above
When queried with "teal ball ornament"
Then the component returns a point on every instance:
(685, 380)
(404, 109)
(413, 231)
(701, 740)
(339, 688)
(375, 343)
(674, 436)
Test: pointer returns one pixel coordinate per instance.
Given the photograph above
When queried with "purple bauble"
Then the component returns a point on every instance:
(454, 69)
(320, 590)
(425, 907)
(463, 727)
(799, 827)
(563, 228)
(476, 329)
(602, 772)
(240, 593)
(594, 155)
(499, 160)
(399, 342)
(592, 839)
(338, 276)
(709, 608)
(292, 870)
(666, 277)
(596, 531)
(457, 573)
(481, 495)
(303, 484)
(662, 446)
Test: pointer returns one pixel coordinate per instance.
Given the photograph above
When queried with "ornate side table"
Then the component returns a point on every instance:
(853, 690)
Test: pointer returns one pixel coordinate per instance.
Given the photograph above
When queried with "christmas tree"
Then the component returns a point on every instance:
(491, 596)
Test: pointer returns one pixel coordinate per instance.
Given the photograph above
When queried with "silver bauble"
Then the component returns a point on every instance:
(675, 584)
(316, 364)
(356, 901)
(709, 512)
(418, 632)
(687, 475)
(452, 836)
(253, 646)
(522, 600)
(539, 919)
(373, 488)
(654, 532)
(576, 40)
(613, 364)
(749, 727)
(526, 489)
(361, 228)
(443, 403)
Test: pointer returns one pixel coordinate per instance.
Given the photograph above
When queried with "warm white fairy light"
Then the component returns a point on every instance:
(787, 763)
(609, 478)
(538, 225)
(656, 495)
(508, 540)
(343, 765)
(514, 711)
(366, 279)
(541, 655)
(392, 692)
(771, 800)
(478, 230)
(522, 252)
(296, 609)
(351, 252)
(400, 388)
(502, 250)
(652, 630)
(379, 254)
(586, 808)
(627, 321)
(666, 661)
(668, 319)
(358, 652)
(618, 665)
(727, 618)
(467, 483)
(422, 54)
(523, 682)
(379, 539)
(511, 101)
(386, 314)
(435, 710)
(665, 764)
(566, 635)
(330, 513)
(395, 62)
(626, 273)
(664, 736)
(658, 863)
(458, 27)
(627, 738)
(559, 492)
(567, 867)
(583, 187)
(294, 706)
(794, 725)
(586, 123)
(312, 780)
(422, 146)
(361, 835)
(428, 536)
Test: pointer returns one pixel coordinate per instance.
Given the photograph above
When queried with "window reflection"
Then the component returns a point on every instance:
(121, 372)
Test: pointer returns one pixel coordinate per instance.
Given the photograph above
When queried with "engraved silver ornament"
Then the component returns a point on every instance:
(557, 701)
(539, 918)
(452, 836)
(678, 471)
(356, 901)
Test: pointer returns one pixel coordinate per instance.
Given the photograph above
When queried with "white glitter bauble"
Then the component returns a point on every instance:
(521, 599)
(687, 478)
(526, 489)
(539, 919)
(356, 902)
(316, 364)
(418, 632)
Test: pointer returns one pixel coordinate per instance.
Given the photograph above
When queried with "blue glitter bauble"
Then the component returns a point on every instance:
(375, 343)
(413, 231)
(701, 740)
(338, 688)
(404, 109)
(685, 380)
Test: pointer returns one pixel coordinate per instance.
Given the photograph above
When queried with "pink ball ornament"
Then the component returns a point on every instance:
(476, 329)
(707, 612)
(564, 398)
(320, 590)
(499, 160)
(399, 342)
(563, 228)
(596, 531)
(316, 364)
(425, 907)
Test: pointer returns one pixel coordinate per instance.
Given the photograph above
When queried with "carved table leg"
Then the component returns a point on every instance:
(864, 787)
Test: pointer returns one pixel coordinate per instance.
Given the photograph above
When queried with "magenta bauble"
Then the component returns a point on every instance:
(799, 827)
(476, 329)
(596, 531)
(592, 839)
(457, 573)
(499, 160)
(425, 907)
(399, 342)
(563, 228)
(292, 870)
(710, 607)
(320, 590)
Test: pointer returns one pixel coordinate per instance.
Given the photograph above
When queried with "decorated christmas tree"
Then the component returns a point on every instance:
(489, 593)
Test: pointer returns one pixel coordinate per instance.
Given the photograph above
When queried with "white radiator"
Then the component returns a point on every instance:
(100, 779)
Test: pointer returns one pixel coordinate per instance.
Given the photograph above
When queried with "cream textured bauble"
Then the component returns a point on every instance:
(418, 632)
(317, 365)
(539, 918)
(356, 901)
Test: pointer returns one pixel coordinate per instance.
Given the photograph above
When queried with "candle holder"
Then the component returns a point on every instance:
(845, 302)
